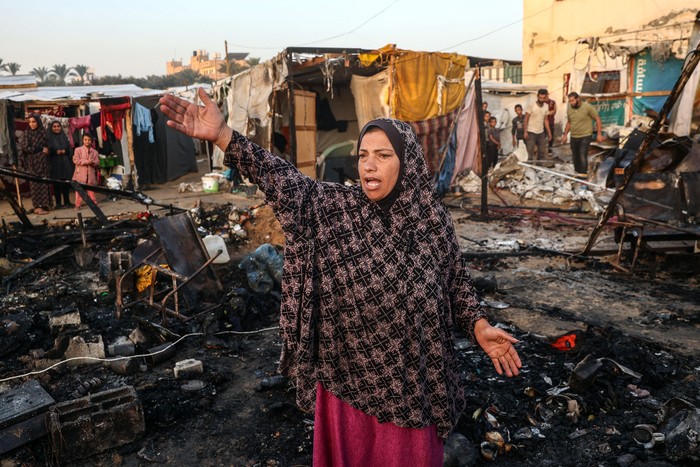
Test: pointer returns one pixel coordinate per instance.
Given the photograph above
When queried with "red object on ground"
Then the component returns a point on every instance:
(566, 342)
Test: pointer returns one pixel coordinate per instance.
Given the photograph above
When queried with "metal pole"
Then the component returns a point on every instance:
(650, 136)
(482, 143)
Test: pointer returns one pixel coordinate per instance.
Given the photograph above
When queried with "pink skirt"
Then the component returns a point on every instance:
(347, 437)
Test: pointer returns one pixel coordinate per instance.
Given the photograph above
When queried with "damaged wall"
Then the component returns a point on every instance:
(552, 30)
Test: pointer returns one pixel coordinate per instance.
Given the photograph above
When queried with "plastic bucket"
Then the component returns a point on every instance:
(210, 184)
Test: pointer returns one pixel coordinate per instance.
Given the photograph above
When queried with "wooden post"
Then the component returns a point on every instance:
(392, 68)
(228, 62)
(292, 111)
(19, 196)
(130, 148)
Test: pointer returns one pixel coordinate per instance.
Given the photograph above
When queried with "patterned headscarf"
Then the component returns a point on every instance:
(34, 140)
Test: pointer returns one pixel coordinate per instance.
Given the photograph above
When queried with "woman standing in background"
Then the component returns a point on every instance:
(60, 165)
(35, 151)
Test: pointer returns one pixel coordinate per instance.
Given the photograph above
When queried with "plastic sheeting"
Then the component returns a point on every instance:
(371, 96)
(428, 85)
(466, 155)
(249, 96)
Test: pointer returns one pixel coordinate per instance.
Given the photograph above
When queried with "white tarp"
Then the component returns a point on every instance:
(62, 93)
(371, 96)
(249, 94)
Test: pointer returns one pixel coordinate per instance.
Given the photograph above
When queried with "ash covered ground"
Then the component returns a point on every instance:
(634, 354)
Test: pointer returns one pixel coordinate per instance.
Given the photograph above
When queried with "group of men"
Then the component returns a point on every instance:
(535, 127)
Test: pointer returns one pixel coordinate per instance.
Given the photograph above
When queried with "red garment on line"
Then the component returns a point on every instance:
(112, 111)
(347, 437)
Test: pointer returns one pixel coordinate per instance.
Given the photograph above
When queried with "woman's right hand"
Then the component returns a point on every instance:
(196, 121)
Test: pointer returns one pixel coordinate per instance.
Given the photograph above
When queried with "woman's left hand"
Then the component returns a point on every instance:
(498, 345)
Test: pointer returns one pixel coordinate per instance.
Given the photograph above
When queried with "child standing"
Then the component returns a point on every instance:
(493, 143)
(86, 162)
(518, 125)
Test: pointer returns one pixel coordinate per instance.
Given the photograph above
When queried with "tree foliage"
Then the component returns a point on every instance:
(81, 71)
(183, 78)
(13, 67)
(61, 72)
(41, 73)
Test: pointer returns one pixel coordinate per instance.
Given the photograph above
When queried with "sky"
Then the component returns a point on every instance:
(137, 38)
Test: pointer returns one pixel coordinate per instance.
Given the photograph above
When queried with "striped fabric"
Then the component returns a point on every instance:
(432, 135)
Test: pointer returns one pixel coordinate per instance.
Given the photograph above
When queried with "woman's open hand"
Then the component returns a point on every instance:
(196, 121)
(498, 345)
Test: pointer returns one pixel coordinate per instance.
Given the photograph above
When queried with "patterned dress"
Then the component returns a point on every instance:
(36, 162)
(369, 298)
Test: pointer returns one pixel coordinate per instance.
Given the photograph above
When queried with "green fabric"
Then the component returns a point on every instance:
(581, 120)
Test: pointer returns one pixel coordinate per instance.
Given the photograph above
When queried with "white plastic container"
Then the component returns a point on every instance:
(214, 243)
(210, 183)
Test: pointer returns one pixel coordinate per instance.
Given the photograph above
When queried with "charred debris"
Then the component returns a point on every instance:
(121, 332)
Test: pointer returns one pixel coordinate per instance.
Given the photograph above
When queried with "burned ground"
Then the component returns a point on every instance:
(238, 413)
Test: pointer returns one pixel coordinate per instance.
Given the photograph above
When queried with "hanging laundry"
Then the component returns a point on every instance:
(112, 111)
(77, 123)
(142, 121)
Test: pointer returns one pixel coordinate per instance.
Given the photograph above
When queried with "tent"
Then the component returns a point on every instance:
(170, 156)
(315, 98)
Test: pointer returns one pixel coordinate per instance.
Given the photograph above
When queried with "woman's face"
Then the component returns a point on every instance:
(33, 124)
(87, 141)
(56, 128)
(379, 166)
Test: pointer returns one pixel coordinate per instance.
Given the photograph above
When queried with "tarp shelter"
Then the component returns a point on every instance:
(315, 98)
(170, 156)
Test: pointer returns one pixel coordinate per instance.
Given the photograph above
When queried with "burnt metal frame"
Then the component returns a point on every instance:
(173, 292)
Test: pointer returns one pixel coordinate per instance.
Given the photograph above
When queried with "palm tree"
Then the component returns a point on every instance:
(61, 72)
(81, 70)
(3, 66)
(13, 67)
(41, 73)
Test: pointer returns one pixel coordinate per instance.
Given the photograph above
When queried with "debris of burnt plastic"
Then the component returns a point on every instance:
(160, 353)
(86, 387)
(680, 426)
(588, 369)
(647, 436)
(271, 382)
(489, 451)
(263, 268)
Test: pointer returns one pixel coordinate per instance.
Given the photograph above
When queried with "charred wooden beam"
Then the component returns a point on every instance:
(93, 206)
(19, 210)
(31, 264)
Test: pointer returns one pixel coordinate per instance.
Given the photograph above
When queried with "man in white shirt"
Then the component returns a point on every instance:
(537, 132)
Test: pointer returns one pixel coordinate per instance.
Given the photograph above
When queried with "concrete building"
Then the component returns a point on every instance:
(205, 66)
(624, 57)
